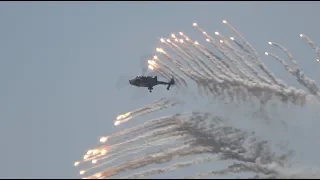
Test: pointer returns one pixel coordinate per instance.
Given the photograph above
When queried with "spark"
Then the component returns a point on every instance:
(116, 123)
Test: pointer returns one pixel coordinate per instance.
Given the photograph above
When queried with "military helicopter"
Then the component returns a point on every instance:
(149, 82)
(144, 80)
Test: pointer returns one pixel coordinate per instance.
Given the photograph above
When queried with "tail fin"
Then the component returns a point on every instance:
(170, 83)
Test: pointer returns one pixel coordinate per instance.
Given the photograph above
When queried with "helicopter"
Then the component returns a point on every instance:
(149, 82)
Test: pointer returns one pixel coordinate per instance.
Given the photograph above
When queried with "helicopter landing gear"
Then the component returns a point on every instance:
(150, 89)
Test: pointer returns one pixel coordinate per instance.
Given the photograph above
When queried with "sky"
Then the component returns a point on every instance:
(60, 61)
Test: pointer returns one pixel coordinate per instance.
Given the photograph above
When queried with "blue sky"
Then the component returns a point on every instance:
(60, 61)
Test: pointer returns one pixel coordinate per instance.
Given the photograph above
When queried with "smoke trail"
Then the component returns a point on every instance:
(240, 167)
(239, 82)
(171, 168)
(301, 78)
(255, 53)
(210, 137)
(312, 45)
(150, 108)
(132, 150)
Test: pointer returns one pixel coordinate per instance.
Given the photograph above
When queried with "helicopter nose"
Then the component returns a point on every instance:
(130, 81)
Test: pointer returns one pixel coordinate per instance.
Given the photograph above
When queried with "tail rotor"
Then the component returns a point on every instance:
(170, 83)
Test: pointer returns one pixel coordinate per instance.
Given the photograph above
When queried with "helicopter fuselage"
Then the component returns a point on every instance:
(148, 81)
(144, 81)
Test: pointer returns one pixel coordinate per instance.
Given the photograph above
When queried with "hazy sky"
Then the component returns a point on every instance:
(60, 61)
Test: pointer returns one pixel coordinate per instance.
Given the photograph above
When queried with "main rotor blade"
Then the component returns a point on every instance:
(122, 82)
